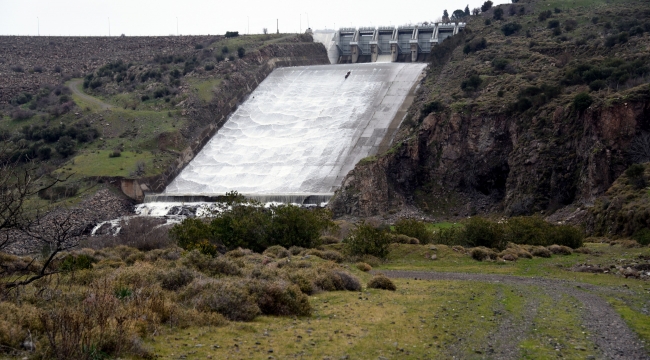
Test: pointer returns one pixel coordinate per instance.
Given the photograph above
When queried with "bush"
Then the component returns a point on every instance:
(114, 154)
(241, 52)
(332, 255)
(280, 298)
(500, 63)
(483, 232)
(642, 236)
(175, 278)
(363, 266)
(560, 250)
(597, 85)
(472, 83)
(498, 14)
(553, 24)
(198, 47)
(544, 15)
(582, 101)
(17, 68)
(541, 251)
(365, 239)
(328, 239)
(229, 298)
(231, 58)
(510, 28)
(475, 45)
(570, 25)
(277, 252)
(231, 34)
(209, 67)
(380, 281)
(433, 106)
(486, 6)
(415, 229)
(296, 226)
(65, 146)
(482, 253)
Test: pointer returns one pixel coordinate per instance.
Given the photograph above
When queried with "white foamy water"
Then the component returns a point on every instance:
(301, 131)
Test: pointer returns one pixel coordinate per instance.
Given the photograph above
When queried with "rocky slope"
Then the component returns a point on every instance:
(525, 114)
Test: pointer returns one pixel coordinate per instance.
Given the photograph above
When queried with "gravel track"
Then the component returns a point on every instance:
(613, 338)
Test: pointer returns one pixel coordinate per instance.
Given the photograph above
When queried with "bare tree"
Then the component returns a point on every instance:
(265, 31)
(56, 233)
(639, 150)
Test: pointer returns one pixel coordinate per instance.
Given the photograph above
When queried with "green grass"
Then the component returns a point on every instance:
(204, 88)
(248, 42)
(98, 163)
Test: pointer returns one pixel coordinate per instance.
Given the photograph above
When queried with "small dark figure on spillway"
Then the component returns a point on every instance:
(348, 74)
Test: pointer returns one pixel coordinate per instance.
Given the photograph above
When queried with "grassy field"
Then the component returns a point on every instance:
(204, 88)
(429, 319)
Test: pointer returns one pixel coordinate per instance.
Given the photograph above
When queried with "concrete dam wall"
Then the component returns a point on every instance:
(299, 133)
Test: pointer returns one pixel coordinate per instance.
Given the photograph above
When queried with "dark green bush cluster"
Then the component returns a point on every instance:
(510, 28)
(582, 101)
(544, 15)
(553, 24)
(231, 34)
(241, 52)
(608, 73)
(472, 83)
(366, 239)
(475, 45)
(431, 107)
(252, 226)
(535, 96)
(635, 176)
(415, 229)
(55, 101)
(524, 230)
(500, 63)
(486, 6)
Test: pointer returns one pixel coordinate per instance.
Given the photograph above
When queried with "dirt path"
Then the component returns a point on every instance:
(75, 86)
(614, 339)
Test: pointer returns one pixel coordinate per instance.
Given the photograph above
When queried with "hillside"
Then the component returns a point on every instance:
(519, 115)
(136, 108)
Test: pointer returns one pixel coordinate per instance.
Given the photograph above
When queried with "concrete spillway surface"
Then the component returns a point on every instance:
(301, 131)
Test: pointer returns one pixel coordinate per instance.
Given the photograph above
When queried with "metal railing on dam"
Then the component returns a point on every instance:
(411, 43)
(299, 133)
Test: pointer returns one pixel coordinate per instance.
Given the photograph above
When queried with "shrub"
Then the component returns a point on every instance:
(209, 67)
(642, 236)
(277, 252)
(65, 146)
(582, 101)
(570, 25)
(486, 6)
(404, 239)
(350, 282)
(472, 83)
(296, 226)
(544, 15)
(380, 281)
(475, 45)
(229, 298)
(328, 239)
(190, 232)
(560, 250)
(433, 106)
(415, 229)
(332, 255)
(280, 298)
(449, 236)
(365, 239)
(487, 22)
(510, 28)
(597, 85)
(500, 63)
(483, 232)
(175, 278)
(114, 154)
(241, 52)
(198, 47)
(230, 34)
(231, 58)
(553, 24)
(17, 68)
(541, 251)
(72, 263)
(482, 253)
(20, 114)
(498, 14)
(363, 266)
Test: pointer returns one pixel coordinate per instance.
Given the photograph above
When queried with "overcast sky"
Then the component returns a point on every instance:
(199, 17)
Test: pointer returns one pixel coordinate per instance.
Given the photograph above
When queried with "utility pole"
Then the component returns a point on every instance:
(109, 27)
(277, 26)
(300, 28)
(248, 22)
(39, 25)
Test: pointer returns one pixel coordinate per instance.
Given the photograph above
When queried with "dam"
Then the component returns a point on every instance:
(299, 133)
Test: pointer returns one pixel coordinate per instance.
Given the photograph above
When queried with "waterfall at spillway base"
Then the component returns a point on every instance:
(300, 132)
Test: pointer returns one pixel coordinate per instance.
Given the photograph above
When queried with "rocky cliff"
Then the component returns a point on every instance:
(516, 122)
